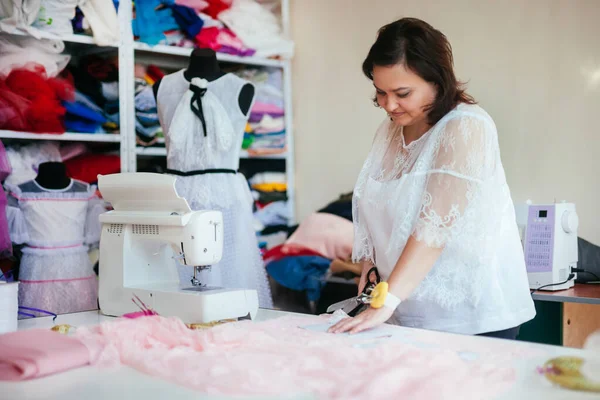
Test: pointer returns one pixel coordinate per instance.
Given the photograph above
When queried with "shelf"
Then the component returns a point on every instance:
(244, 154)
(82, 39)
(162, 152)
(186, 51)
(67, 136)
(151, 151)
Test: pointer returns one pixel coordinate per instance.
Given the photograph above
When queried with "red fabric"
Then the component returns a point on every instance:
(154, 72)
(13, 110)
(287, 250)
(45, 111)
(215, 7)
(207, 38)
(87, 167)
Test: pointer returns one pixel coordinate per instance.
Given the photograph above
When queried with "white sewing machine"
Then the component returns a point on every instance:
(549, 237)
(151, 226)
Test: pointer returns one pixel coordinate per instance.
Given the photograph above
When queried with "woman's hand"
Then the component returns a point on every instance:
(367, 319)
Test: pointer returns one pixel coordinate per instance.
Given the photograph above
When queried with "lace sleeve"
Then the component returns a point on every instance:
(17, 226)
(460, 166)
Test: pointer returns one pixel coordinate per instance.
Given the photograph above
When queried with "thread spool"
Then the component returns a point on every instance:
(9, 306)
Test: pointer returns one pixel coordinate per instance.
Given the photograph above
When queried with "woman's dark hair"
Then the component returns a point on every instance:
(425, 51)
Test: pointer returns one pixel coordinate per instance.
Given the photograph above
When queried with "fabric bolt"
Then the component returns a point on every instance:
(28, 53)
(258, 28)
(302, 273)
(277, 213)
(290, 356)
(56, 227)
(287, 250)
(446, 189)
(35, 353)
(191, 148)
(187, 19)
(327, 234)
(19, 15)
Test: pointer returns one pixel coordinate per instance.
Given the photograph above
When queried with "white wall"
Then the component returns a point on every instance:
(533, 65)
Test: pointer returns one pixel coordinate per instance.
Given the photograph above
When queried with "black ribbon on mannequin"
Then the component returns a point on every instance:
(196, 104)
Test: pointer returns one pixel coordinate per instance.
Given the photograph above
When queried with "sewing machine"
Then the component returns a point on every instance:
(549, 238)
(150, 227)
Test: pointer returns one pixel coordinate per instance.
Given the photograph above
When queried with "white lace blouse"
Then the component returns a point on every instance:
(447, 189)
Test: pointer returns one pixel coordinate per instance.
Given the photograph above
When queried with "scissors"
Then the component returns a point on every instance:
(357, 304)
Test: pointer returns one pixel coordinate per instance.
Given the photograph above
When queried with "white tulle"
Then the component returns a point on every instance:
(448, 190)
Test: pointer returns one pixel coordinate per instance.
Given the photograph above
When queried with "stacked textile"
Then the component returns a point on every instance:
(265, 133)
(321, 245)
(270, 192)
(62, 17)
(147, 125)
(237, 27)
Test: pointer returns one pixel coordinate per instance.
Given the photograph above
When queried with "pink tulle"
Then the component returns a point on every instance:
(279, 358)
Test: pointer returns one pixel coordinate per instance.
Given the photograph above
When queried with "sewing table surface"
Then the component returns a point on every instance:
(91, 383)
(579, 293)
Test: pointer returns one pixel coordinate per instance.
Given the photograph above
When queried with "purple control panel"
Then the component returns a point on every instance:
(539, 249)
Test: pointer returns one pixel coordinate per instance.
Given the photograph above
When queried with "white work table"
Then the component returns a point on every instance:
(91, 383)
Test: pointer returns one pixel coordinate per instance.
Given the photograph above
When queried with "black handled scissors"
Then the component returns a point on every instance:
(357, 304)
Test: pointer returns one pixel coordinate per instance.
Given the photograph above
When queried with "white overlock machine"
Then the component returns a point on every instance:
(549, 237)
(148, 231)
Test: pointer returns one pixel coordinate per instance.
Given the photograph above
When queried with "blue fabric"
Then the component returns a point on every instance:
(188, 20)
(301, 273)
(82, 111)
(149, 25)
(80, 125)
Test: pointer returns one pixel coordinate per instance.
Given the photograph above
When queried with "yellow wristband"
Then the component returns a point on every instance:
(380, 296)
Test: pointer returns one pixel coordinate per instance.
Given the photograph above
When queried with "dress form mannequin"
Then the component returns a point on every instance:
(204, 64)
(52, 175)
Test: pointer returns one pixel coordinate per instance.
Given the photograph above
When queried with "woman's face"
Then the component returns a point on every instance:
(402, 94)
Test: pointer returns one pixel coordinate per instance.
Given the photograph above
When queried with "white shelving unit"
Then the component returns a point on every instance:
(129, 53)
(178, 57)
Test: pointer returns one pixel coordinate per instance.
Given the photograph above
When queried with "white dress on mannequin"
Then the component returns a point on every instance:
(192, 148)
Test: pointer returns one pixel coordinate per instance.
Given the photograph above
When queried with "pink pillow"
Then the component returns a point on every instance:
(327, 234)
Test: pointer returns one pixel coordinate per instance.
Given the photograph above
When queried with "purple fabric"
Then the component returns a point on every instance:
(236, 52)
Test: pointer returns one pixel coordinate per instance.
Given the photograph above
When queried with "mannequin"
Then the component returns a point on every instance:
(53, 175)
(204, 64)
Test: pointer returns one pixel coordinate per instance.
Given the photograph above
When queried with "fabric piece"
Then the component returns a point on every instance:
(326, 234)
(440, 189)
(101, 15)
(258, 28)
(87, 167)
(341, 208)
(277, 213)
(19, 15)
(150, 24)
(215, 7)
(5, 170)
(187, 19)
(36, 353)
(304, 273)
(23, 52)
(287, 250)
(190, 148)
(277, 358)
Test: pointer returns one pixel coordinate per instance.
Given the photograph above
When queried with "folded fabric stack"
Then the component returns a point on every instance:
(270, 193)
(95, 108)
(303, 261)
(147, 125)
(63, 17)
(265, 133)
(238, 27)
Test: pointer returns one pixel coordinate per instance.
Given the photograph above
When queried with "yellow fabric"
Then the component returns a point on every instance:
(270, 187)
(248, 128)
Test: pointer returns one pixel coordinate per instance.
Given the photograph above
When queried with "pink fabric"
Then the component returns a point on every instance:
(265, 108)
(327, 234)
(197, 5)
(276, 357)
(36, 353)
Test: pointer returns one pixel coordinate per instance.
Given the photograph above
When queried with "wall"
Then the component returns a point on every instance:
(533, 65)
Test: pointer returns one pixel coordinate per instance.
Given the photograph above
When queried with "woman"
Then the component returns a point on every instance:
(432, 209)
